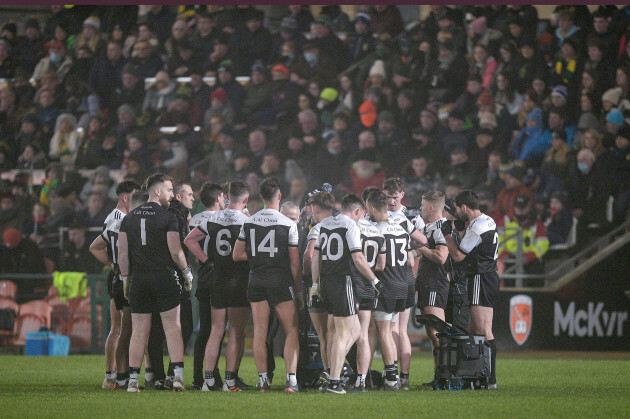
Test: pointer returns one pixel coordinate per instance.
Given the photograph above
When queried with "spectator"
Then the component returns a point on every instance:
(219, 106)
(131, 90)
(361, 42)
(234, 91)
(460, 170)
(184, 61)
(218, 166)
(588, 119)
(253, 43)
(592, 140)
(220, 52)
(365, 171)
(30, 48)
(558, 220)
(339, 21)
(57, 62)
(106, 76)
(32, 158)
(95, 212)
(7, 62)
(313, 63)
(557, 121)
(386, 19)
(302, 16)
(160, 94)
(76, 252)
(89, 151)
(327, 40)
(64, 143)
(288, 35)
(257, 97)
(420, 178)
(535, 242)
(589, 192)
(20, 255)
(617, 163)
(91, 37)
(560, 159)
(451, 72)
(161, 18)
(330, 160)
(483, 64)
(513, 188)
(145, 61)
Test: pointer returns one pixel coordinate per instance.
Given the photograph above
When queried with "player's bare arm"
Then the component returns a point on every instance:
(98, 248)
(239, 254)
(192, 243)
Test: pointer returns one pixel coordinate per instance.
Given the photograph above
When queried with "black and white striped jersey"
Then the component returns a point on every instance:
(223, 228)
(427, 268)
(400, 218)
(397, 242)
(372, 244)
(339, 237)
(481, 245)
(268, 234)
(146, 228)
(200, 220)
(111, 227)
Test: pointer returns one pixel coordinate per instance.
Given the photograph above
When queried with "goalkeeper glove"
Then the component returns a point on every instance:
(446, 228)
(188, 278)
(378, 286)
(460, 225)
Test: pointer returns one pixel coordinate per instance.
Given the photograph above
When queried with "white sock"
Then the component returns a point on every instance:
(110, 375)
(148, 376)
(179, 372)
(262, 377)
(292, 379)
(360, 380)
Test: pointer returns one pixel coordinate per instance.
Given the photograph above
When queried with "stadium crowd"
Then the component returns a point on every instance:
(531, 115)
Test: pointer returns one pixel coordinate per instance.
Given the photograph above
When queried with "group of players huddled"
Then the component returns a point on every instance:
(354, 268)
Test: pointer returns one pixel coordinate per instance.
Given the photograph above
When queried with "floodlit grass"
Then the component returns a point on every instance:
(530, 385)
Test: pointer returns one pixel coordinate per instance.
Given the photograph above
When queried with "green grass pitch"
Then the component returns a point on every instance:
(530, 385)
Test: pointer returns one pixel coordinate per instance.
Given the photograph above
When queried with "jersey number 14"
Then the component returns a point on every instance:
(267, 245)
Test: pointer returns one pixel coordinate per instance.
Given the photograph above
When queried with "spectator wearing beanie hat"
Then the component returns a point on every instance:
(377, 74)
(361, 43)
(614, 122)
(611, 98)
(327, 104)
(91, 37)
(219, 106)
(514, 187)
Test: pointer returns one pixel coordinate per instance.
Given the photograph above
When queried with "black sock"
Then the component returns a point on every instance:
(403, 375)
(170, 369)
(493, 359)
(390, 372)
(230, 377)
(334, 383)
(148, 369)
(122, 376)
(133, 373)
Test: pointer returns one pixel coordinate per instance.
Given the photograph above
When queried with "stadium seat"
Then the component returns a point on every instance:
(8, 289)
(25, 323)
(571, 238)
(82, 311)
(80, 333)
(38, 307)
(61, 314)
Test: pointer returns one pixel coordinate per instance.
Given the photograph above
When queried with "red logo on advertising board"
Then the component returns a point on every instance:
(520, 317)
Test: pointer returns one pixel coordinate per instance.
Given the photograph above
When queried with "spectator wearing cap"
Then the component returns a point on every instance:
(288, 33)
(556, 121)
(361, 42)
(327, 105)
(107, 73)
(302, 16)
(529, 145)
(257, 97)
(535, 242)
(220, 52)
(91, 36)
(386, 19)
(313, 63)
(7, 61)
(184, 61)
(131, 90)
(234, 91)
(30, 47)
(560, 159)
(513, 188)
(145, 60)
(218, 106)
(253, 43)
(327, 40)
(57, 61)
(179, 32)
(200, 92)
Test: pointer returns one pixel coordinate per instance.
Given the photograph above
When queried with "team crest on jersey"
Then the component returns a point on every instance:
(521, 317)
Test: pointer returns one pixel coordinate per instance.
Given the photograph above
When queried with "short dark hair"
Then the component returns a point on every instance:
(368, 190)
(323, 199)
(269, 188)
(178, 187)
(350, 202)
(156, 178)
(467, 197)
(239, 188)
(393, 185)
(377, 199)
(140, 197)
(126, 187)
(209, 193)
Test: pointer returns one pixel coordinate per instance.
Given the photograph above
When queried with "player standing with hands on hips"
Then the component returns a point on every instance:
(479, 246)
(150, 249)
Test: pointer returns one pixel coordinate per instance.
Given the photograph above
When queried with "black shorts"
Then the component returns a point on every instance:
(391, 305)
(433, 292)
(367, 304)
(338, 293)
(154, 291)
(483, 289)
(115, 290)
(229, 293)
(273, 295)
(411, 296)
